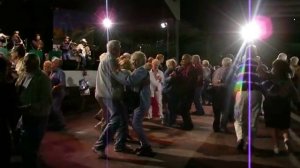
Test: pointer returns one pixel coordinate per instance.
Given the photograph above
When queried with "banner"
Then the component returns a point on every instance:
(73, 78)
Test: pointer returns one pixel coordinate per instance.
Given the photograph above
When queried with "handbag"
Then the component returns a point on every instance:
(131, 99)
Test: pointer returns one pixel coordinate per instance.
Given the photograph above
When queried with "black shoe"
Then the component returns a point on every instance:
(187, 127)
(138, 150)
(125, 149)
(145, 151)
(240, 145)
(129, 138)
(98, 117)
(197, 113)
(200, 114)
(101, 153)
(57, 128)
(216, 129)
(224, 130)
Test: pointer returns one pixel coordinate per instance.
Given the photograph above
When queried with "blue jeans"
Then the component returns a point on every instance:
(56, 118)
(117, 123)
(173, 103)
(197, 100)
(137, 125)
(83, 62)
(66, 56)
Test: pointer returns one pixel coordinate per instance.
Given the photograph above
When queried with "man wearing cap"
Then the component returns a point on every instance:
(57, 77)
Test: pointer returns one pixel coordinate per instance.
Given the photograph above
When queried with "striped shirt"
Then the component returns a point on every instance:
(248, 67)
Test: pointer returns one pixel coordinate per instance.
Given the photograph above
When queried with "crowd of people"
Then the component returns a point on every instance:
(133, 87)
(31, 100)
(74, 56)
(172, 89)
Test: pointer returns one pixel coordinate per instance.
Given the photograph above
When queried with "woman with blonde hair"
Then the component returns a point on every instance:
(156, 82)
(206, 97)
(168, 93)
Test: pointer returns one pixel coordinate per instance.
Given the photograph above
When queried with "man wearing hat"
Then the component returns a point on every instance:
(84, 52)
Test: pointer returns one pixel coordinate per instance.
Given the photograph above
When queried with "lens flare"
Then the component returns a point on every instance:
(265, 25)
(259, 28)
(107, 23)
(251, 31)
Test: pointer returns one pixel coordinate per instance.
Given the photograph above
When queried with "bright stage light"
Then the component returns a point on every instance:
(107, 23)
(164, 25)
(252, 31)
(260, 28)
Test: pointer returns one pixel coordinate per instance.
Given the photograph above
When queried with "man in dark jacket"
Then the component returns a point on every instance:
(185, 82)
(34, 89)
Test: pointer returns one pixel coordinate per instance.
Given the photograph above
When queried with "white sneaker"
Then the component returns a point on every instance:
(287, 145)
(276, 150)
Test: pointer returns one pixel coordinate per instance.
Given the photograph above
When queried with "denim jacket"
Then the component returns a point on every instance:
(139, 79)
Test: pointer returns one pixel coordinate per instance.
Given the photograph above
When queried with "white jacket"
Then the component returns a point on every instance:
(156, 85)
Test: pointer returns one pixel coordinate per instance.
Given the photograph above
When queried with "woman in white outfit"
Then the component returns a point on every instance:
(156, 82)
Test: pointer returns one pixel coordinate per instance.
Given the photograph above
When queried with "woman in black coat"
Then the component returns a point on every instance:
(279, 91)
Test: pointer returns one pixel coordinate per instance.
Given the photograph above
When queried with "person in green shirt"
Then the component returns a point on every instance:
(39, 53)
(55, 52)
(3, 41)
(4, 52)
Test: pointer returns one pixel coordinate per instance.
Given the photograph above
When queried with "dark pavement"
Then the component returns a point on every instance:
(199, 148)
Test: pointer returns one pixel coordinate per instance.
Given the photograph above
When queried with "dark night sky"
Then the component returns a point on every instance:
(214, 20)
(209, 16)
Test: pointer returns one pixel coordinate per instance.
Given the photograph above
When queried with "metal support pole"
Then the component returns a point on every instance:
(177, 40)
